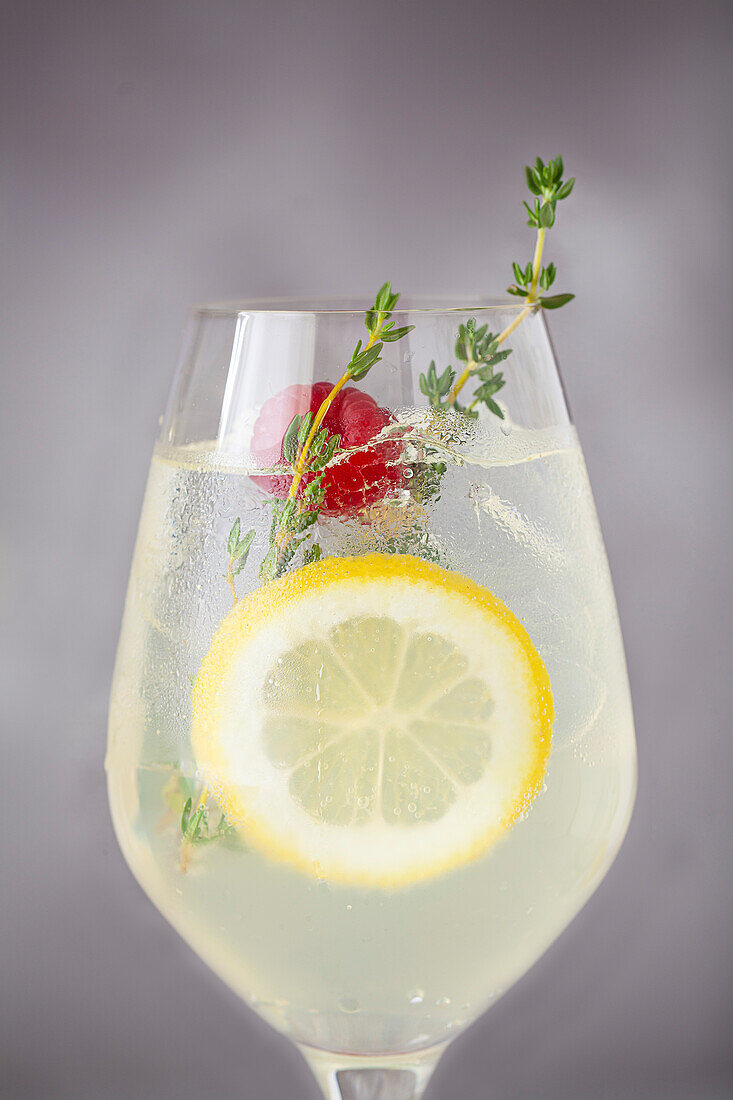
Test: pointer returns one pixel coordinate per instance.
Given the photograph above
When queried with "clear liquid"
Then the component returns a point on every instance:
(358, 969)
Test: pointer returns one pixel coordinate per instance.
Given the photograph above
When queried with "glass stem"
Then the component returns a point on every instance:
(345, 1077)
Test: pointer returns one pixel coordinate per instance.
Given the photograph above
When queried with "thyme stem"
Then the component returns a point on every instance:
(230, 582)
(537, 264)
(301, 461)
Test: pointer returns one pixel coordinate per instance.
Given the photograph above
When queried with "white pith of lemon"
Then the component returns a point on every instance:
(372, 720)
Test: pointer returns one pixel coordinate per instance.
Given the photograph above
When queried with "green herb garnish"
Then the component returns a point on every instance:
(198, 821)
(196, 827)
(477, 348)
(309, 448)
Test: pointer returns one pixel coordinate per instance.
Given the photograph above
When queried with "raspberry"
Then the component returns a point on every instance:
(358, 480)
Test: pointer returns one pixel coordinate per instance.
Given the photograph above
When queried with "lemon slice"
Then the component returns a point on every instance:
(372, 720)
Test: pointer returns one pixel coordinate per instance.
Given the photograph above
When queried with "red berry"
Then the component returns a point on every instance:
(362, 478)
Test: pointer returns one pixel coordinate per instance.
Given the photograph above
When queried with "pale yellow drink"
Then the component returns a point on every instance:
(370, 967)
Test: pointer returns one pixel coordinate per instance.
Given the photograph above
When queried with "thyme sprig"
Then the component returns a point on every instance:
(198, 829)
(199, 822)
(196, 826)
(546, 185)
(308, 448)
(380, 326)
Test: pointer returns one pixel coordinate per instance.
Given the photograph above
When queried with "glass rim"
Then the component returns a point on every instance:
(333, 306)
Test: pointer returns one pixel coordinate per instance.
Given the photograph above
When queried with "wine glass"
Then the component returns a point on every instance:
(371, 744)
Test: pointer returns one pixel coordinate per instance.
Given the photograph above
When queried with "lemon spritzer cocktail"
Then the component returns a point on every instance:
(371, 789)
(371, 743)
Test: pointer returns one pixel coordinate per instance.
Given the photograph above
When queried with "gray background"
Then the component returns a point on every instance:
(157, 154)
